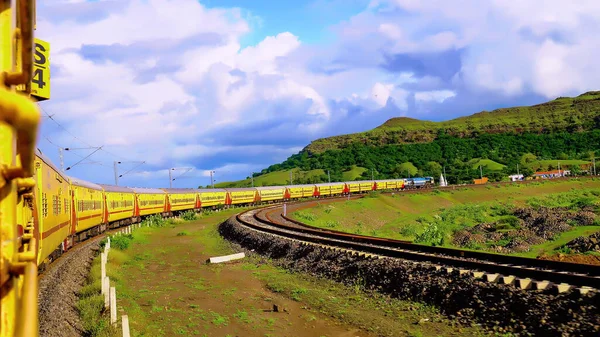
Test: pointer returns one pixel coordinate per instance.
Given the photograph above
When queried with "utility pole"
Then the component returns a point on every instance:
(518, 169)
(328, 176)
(372, 175)
(170, 178)
(445, 178)
(62, 163)
(480, 172)
(116, 174)
(594, 160)
(291, 178)
(252, 178)
(559, 169)
(212, 182)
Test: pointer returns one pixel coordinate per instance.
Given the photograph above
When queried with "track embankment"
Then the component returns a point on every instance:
(58, 289)
(496, 306)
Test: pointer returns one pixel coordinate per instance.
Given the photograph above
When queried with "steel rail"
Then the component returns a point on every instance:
(540, 270)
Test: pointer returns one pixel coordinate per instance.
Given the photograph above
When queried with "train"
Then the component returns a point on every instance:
(71, 210)
(44, 212)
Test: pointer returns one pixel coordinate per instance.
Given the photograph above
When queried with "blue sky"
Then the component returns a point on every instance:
(235, 86)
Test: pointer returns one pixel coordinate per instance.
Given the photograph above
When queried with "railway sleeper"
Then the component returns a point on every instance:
(509, 280)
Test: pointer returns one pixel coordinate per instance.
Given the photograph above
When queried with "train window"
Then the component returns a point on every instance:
(44, 205)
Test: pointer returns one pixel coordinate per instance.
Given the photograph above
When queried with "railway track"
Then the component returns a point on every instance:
(525, 273)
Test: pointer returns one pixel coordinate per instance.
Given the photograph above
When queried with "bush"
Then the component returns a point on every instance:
(432, 236)
(155, 220)
(188, 215)
(121, 242)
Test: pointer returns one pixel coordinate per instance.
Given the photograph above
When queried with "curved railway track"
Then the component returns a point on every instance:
(526, 273)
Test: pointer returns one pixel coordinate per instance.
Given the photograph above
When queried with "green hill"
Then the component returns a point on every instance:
(502, 141)
(278, 178)
(562, 114)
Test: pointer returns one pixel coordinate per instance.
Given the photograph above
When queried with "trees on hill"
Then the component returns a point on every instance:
(453, 153)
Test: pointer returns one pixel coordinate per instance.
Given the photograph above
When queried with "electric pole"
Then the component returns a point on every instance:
(62, 163)
(328, 176)
(116, 174)
(480, 172)
(291, 178)
(252, 179)
(372, 175)
(594, 160)
(559, 169)
(212, 182)
(170, 178)
(518, 169)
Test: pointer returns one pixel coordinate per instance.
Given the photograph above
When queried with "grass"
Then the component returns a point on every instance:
(186, 296)
(433, 217)
(353, 173)
(486, 164)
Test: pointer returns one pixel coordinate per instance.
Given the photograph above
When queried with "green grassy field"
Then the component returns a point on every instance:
(354, 173)
(165, 287)
(404, 216)
(487, 164)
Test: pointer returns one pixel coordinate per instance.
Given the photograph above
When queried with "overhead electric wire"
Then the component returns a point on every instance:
(86, 157)
(72, 135)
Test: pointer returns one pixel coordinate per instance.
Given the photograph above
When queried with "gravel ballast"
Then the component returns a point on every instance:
(58, 288)
(496, 306)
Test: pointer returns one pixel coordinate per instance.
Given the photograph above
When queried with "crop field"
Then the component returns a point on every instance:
(528, 220)
(167, 289)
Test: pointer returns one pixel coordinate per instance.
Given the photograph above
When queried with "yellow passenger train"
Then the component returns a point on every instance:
(44, 212)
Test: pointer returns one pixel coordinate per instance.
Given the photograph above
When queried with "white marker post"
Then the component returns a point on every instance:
(125, 322)
(113, 305)
(284, 209)
(106, 285)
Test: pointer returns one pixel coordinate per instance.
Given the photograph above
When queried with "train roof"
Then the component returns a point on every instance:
(48, 162)
(330, 184)
(113, 188)
(398, 179)
(296, 186)
(210, 190)
(144, 190)
(83, 183)
(262, 188)
(180, 190)
(360, 181)
(240, 189)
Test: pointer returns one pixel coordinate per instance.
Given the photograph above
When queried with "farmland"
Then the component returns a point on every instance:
(436, 217)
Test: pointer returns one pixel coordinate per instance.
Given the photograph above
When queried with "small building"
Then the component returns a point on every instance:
(515, 177)
(551, 174)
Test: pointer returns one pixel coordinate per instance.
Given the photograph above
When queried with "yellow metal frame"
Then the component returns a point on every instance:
(19, 120)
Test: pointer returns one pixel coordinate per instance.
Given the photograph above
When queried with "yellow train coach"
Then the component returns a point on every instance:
(182, 199)
(271, 193)
(360, 186)
(329, 189)
(149, 201)
(242, 195)
(300, 191)
(212, 198)
(119, 205)
(88, 199)
(53, 205)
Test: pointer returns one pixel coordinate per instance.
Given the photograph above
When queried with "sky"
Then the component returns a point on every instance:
(234, 86)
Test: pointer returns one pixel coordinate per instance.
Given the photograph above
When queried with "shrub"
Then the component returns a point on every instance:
(121, 242)
(432, 236)
(188, 215)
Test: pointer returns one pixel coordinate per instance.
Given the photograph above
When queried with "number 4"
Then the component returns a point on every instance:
(38, 78)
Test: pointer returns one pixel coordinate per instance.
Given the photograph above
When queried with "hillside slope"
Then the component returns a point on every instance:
(571, 114)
